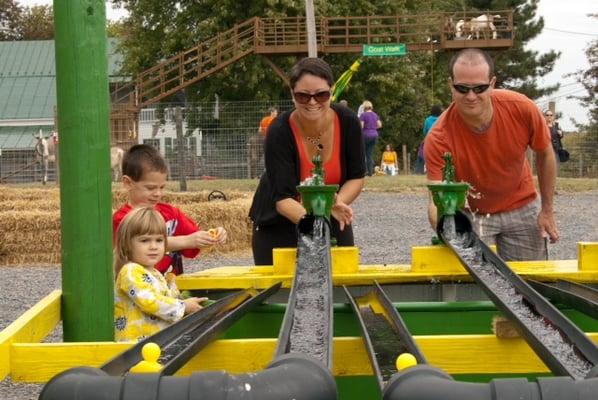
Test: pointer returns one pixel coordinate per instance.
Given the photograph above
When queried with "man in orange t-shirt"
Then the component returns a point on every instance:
(488, 132)
(267, 120)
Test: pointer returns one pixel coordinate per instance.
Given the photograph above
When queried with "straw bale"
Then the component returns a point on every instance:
(26, 205)
(32, 194)
(119, 197)
(232, 215)
(38, 259)
(25, 221)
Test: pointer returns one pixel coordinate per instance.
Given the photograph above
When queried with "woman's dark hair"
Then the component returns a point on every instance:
(472, 55)
(436, 110)
(313, 66)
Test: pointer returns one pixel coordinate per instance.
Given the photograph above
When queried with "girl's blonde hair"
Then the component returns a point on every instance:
(367, 105)
(140, 221)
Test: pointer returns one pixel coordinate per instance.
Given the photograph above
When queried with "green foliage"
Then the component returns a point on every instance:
(402, 89)
(25, 23)
(10, 12)
(37, 23)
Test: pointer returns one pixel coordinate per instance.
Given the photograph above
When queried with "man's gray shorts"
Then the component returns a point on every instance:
(515, 233)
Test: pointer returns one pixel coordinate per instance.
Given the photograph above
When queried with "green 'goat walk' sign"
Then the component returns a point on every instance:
(384, 50)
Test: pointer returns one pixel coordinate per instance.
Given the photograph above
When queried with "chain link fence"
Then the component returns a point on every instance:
(221, 140)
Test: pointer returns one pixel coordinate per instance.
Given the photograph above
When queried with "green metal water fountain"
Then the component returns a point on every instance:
(448, 196)
(317, 197)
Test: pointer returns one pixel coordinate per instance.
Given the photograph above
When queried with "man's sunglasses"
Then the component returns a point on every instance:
(464, 89)
(304, 98)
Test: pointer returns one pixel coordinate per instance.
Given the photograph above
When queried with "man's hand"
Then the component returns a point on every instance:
(547, 225)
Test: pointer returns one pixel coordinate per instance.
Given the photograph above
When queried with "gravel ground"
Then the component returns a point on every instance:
(387, 225)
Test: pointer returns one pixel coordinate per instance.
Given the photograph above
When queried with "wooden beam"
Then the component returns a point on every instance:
(276, 69)
(33, 326)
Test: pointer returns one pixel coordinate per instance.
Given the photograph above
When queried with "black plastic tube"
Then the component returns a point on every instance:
(423, 382)
(292, 376)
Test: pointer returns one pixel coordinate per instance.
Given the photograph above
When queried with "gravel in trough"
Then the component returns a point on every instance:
(386, 226)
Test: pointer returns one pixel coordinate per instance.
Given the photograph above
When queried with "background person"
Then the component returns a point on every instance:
(556, 134)
(144, 178)
(370, 123)
(144, 303)
(420, 164)
(313, 127)
(267, 120)
(488, 132)
(389, 164)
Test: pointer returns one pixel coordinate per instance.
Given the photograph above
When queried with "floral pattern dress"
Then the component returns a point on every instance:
(144, 303)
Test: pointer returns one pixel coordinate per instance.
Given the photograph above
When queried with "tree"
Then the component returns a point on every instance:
(10, 13)
(402, 89)
(37, 23)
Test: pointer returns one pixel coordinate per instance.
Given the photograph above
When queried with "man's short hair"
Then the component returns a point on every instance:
(142, 159)
(472, 55)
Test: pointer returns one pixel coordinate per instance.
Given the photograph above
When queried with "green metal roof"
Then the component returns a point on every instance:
(28, 78)
(21, 137)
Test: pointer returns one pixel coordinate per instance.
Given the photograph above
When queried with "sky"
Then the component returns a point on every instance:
(567, 28)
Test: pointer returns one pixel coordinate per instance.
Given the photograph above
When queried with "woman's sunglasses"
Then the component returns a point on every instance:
(464, 89)
(304, 98)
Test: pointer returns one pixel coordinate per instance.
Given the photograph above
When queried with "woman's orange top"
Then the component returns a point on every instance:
(332, 167)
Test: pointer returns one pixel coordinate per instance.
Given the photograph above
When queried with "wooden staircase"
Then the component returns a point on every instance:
(278, 36)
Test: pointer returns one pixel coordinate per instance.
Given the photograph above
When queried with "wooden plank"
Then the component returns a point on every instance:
(455, 354)
(33, 326)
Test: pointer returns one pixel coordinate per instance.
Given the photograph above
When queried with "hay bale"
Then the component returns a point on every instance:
(30, 224)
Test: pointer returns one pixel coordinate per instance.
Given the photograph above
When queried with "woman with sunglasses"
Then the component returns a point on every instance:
(314, 126)
(556, 134)
(488, 132)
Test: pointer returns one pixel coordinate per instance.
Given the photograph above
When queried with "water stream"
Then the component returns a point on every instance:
(311, 323)
(540, 326)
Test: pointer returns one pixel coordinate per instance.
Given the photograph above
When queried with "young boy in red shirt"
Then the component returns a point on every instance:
(144, 172)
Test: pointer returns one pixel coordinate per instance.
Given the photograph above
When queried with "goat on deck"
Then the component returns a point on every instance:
(472, 28)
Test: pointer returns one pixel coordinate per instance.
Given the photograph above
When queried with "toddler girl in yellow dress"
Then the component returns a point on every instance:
(144, 302)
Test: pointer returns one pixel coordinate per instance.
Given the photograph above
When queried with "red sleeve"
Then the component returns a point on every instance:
(186, 226)
(434, 148)
(117, 218)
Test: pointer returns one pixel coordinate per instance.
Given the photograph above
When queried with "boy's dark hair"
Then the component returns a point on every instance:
(313, 66)
(472, 54)
(436, 110)
(141, 159)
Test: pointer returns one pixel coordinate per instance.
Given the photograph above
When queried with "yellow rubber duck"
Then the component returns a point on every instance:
(149, 365)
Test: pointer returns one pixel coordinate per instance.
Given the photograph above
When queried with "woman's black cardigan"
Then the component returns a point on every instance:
(282, 173)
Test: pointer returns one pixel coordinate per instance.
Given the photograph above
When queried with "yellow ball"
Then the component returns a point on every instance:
(151, 352)
(405, 361)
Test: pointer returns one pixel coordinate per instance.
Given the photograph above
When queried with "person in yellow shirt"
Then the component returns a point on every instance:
(389, 162)
(144, 302)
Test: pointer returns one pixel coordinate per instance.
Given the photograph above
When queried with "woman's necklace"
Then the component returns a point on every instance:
(314, 140)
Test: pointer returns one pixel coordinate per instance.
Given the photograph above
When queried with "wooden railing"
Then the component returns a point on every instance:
(288, 36)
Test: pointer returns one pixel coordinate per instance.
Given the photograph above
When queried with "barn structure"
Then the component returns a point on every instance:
(28, 106)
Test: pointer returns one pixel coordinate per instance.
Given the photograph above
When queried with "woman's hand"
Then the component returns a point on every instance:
(343, 213)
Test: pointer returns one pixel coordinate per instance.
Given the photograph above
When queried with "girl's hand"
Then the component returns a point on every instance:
(193, 304)
(342, 213)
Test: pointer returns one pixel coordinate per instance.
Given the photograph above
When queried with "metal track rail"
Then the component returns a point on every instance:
(307, 324)
(575, 295)
(182, 340)
(563, 347)
(385, 334)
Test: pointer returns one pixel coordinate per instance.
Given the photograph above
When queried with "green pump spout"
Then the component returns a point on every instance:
(317, 197)
(448, 196)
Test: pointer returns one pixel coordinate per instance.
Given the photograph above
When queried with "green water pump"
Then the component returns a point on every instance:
(317, 197)
(448, 196)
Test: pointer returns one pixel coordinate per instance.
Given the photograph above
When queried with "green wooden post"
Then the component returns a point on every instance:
(85, 186)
